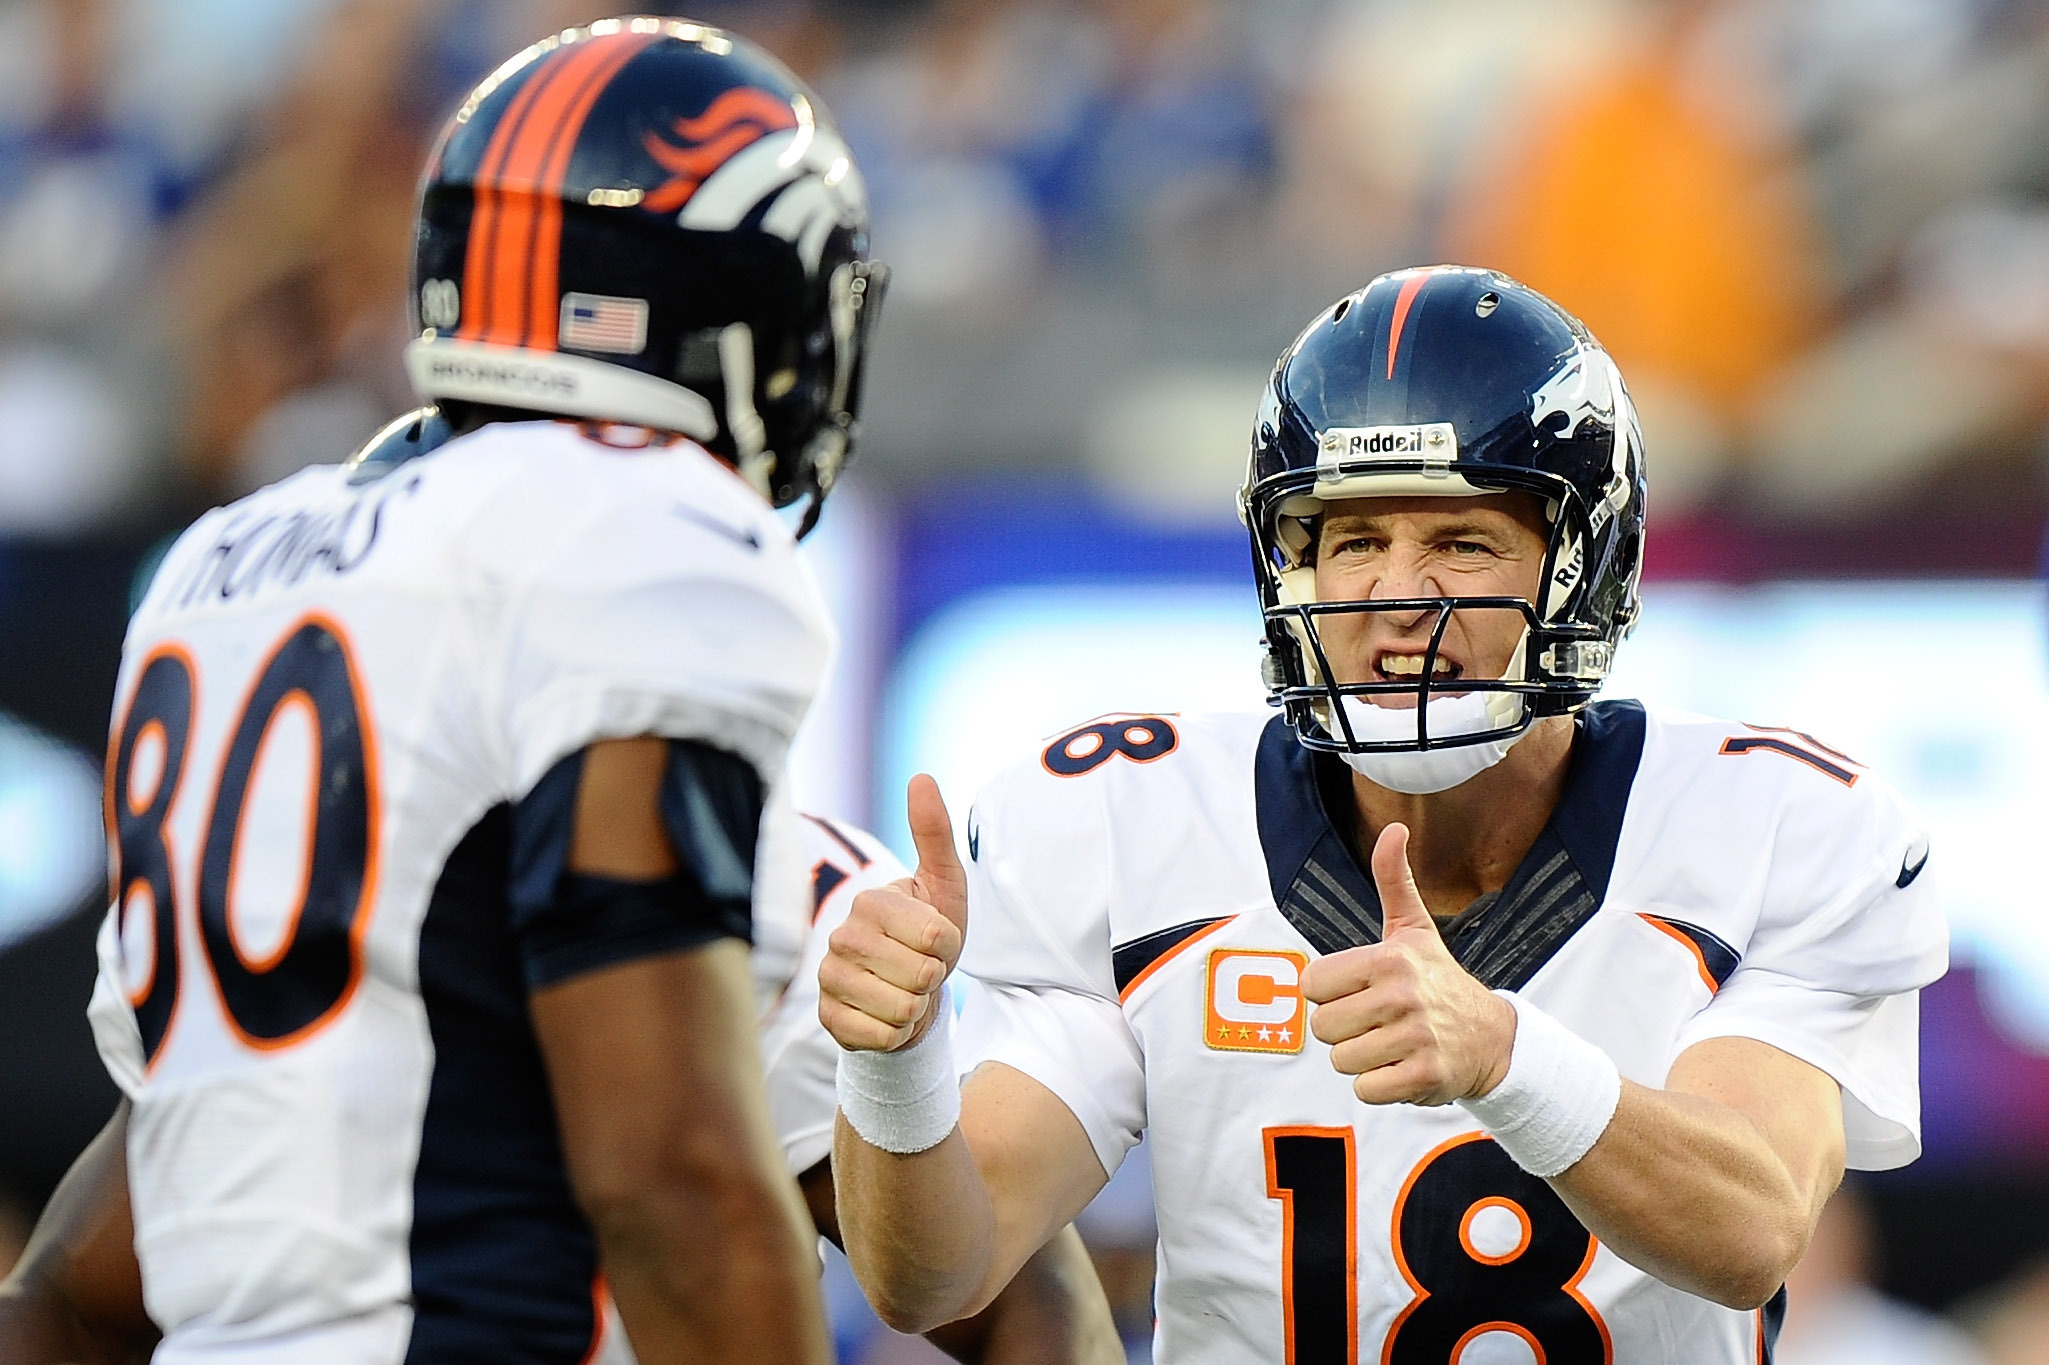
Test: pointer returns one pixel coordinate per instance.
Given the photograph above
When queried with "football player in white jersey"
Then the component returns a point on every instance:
(1054, 1311)
(808, 870)
(436, 778)
(1468, 1019)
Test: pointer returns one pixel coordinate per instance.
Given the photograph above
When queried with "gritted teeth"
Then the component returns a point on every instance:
(1393, 665)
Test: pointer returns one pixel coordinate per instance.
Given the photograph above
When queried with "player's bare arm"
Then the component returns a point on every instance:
(76, 1295)
(1052, 1312)
(664, 1126)
(935, 1234)
(1713, 1184)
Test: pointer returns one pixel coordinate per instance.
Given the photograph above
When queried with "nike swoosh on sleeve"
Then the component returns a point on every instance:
(739, 535)
(1911, 866)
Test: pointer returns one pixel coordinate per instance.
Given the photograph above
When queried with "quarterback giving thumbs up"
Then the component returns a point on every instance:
(1410, 1025)
(1403, 1019)
(882, 991)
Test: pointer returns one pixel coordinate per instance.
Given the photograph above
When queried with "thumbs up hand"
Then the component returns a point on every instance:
(878, 986)
(1402, 1018)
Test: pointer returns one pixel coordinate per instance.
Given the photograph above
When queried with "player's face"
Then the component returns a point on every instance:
(1372, 549)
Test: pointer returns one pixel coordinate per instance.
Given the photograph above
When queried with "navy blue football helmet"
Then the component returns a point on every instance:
(651, 221)
(1448, 381)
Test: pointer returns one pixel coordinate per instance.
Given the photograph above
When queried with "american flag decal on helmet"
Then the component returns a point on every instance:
(600, 322)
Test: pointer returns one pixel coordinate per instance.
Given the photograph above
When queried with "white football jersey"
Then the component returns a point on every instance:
(798, 1056)
(782, 901)
(1145, 894)
(342, 1145)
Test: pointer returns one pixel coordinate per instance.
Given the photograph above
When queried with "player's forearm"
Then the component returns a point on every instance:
(920, 1229)
(691, 1264)
(1690, 1191)
(39, 1326)
(1051, 1313)
(34, 1328)
(76, 1293)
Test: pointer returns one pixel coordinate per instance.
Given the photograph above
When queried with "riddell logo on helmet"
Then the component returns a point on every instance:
(1431, 441)
(1383, 442)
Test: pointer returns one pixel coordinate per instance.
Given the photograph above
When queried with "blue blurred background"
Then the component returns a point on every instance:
(1814, 232)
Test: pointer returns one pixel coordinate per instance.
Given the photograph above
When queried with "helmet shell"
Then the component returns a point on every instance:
(651, 221)
(1453, 381)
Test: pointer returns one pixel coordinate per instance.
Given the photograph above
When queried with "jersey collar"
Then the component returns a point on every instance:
(1321, 888)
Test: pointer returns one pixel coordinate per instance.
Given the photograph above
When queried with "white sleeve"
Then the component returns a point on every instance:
(1075, 1044)
(1833, 970)
(636, 621)
(782, 903)
(799, 1058)
(1038, 943)
(113, 1021)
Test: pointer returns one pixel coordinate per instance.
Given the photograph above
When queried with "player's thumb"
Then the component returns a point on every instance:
(942, 882)
(1401, 905)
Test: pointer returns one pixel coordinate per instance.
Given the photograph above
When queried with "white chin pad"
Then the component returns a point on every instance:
(1419, 772)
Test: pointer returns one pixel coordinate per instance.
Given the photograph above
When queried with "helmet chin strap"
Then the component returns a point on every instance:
(743, 423)
(1422, 772)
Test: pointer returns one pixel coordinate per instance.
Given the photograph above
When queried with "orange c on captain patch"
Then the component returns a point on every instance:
(1253, 1001)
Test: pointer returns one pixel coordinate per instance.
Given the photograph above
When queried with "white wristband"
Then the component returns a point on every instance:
(908, 1100)
(1557, 1098)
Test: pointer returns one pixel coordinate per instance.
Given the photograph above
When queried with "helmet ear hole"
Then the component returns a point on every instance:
(1626, 556)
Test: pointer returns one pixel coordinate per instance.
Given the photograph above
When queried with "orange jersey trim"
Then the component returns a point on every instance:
(1164, 958)
(1707, 978)
(600, 1297)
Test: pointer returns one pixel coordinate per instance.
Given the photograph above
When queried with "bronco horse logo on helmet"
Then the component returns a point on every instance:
(736, 118)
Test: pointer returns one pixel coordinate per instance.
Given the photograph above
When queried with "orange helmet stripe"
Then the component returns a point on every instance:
(476, 273)
(1411, 287)
(512, 276)
(521, 184)
(544, 278)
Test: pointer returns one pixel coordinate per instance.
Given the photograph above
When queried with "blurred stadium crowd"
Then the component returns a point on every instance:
(1815, 233)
